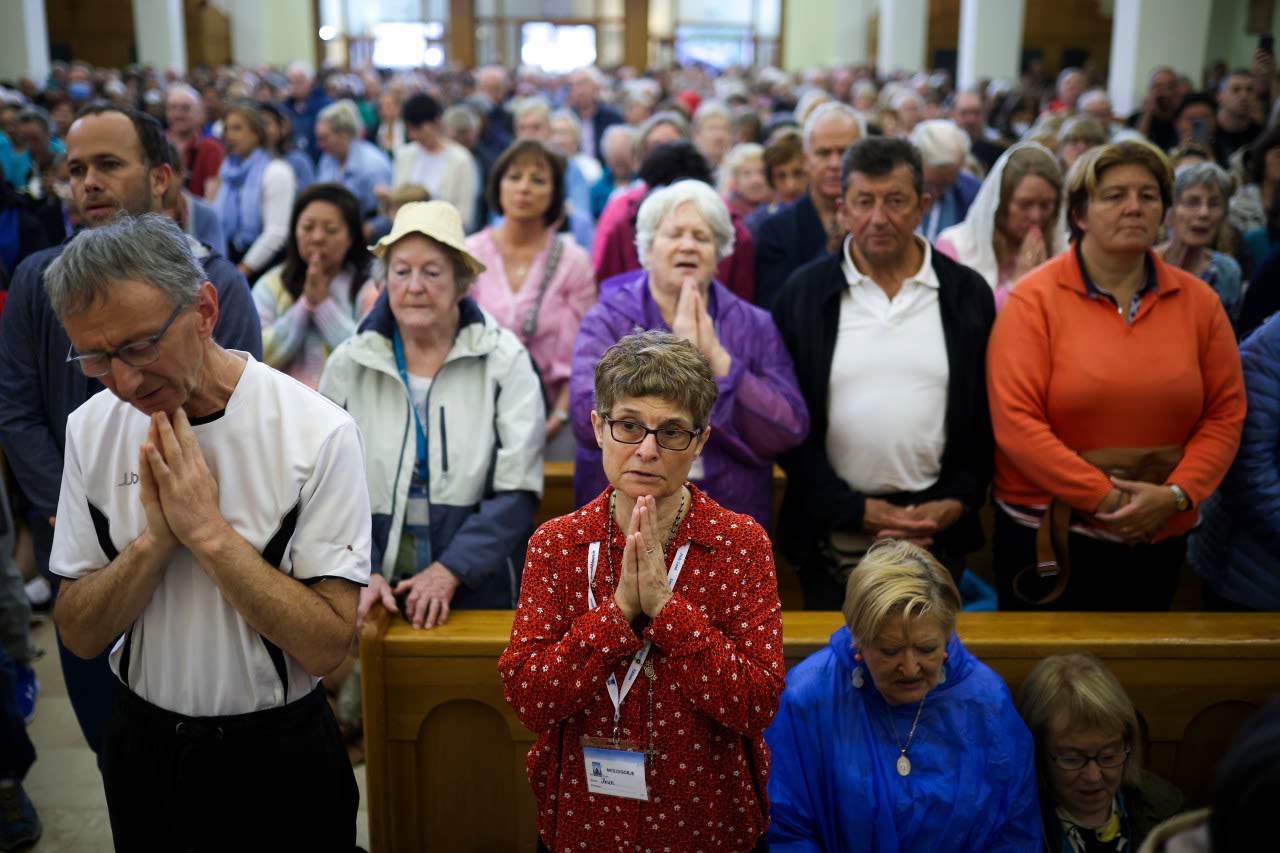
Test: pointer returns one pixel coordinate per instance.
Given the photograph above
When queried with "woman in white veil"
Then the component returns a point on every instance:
(1015, 222)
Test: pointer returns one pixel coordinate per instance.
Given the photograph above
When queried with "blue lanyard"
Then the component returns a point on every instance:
(417, 422)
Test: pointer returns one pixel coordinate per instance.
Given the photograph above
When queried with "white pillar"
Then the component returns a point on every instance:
(274, 33)
(990, 41)
(161, 33)
(1146, 34)
(852, 31)
(24, 40)
(904, 26)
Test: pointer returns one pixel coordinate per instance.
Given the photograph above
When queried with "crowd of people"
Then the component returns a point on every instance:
(225, 295)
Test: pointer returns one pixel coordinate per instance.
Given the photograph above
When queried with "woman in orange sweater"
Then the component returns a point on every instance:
(1116, 398)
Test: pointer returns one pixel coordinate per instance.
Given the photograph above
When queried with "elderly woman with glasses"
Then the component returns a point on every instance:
(895, 737)
(654, 577)
(1094, 793)
(682, 233)
(1195, 223)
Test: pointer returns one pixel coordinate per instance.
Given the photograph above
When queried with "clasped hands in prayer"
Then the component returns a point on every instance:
(694, 324)
(917, 523)
(1136, 511)
(642, 580)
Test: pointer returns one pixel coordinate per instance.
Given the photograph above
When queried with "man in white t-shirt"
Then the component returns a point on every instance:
(214, 530)
(889, 339)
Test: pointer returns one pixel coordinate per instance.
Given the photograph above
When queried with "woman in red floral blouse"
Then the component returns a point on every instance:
(646, 649)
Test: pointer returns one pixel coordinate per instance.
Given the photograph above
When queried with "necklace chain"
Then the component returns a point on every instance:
(904, 763)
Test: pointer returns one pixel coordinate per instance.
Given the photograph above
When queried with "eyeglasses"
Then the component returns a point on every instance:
(1107, 760)
(136, 354)
(668, 438)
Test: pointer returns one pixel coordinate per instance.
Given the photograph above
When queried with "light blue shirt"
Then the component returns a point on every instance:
(367, 167)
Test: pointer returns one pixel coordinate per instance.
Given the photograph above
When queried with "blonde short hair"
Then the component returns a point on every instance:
(896, 576)
(1087, 171)
(1077, 692)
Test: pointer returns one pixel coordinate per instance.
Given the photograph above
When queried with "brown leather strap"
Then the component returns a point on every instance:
(1052, 558)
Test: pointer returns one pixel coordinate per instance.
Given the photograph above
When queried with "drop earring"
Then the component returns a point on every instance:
(858, 680)
(942, 671)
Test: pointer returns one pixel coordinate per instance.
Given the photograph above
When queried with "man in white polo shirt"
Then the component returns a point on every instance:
(889, 340)
(213, 527)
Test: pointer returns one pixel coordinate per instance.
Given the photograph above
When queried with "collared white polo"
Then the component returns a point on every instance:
(887, 398)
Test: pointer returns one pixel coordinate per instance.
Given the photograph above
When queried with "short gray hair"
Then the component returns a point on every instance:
(828, 111)
(532, 104)
(570, 117)
(663, 201)
(1207, 174)
(941, 142)
(150, 248)
(342, 117)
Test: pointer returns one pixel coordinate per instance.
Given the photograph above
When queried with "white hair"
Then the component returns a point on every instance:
(831, 110)
(660, 203)
(571, 117)
(941, 142)
(737, 157)
(302, 67)
(532, 104)
(342, 117)
(708, 109)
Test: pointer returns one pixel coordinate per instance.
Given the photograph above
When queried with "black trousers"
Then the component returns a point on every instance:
(1104, 575)
(272, 780)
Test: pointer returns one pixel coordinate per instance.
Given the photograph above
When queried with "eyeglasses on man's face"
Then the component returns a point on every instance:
(137, 354)
(1107, 760)
(668, 438)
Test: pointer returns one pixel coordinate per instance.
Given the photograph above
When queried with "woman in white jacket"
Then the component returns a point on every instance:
(452, 414)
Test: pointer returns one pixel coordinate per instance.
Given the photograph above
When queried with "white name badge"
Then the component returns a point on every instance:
(614, 772)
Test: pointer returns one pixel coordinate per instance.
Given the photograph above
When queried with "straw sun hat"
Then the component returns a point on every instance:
(438, 220)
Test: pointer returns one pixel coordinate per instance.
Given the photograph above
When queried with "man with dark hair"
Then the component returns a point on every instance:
(1238, 112)
(889, 341)
(118, 164)
(432, 160)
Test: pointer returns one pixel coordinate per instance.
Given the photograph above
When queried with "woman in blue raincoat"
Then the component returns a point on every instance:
(895, 738)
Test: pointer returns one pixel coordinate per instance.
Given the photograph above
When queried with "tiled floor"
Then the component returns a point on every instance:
(64, 783)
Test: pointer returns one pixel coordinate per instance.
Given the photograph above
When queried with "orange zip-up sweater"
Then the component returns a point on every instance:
(1066, 373)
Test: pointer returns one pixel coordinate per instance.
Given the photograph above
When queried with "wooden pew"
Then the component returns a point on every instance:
(446, 755)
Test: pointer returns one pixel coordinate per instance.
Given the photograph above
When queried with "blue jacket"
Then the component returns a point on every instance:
(834, 787)
(39, 390)
(485, 435)
(1236, 549)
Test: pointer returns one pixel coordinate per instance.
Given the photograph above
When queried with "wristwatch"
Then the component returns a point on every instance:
(1181, 501)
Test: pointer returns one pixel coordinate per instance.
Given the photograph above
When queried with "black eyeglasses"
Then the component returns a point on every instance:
(136, 354)
(668, 438)
(1108, 760)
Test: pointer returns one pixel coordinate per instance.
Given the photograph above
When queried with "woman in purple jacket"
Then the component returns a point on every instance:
(682, 232)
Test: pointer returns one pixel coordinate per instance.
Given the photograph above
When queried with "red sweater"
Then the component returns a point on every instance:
(717, 655)
(1066, 372)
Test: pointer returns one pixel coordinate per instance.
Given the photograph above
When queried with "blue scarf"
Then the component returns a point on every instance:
(239, 199)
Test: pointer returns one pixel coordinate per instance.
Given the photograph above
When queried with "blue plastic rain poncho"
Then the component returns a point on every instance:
(834, 786)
